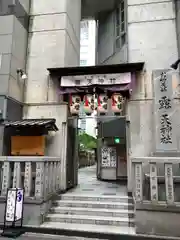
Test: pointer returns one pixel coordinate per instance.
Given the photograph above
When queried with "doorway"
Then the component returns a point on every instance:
(112, 149)
(101, 161)
(100, 155)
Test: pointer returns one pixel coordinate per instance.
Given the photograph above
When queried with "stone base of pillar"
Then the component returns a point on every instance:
(56, 145)
(166, 154)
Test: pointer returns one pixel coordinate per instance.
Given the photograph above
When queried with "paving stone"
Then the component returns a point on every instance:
(93, 206)
(35, 236)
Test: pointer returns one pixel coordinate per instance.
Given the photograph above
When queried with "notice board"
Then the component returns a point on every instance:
(28, 145)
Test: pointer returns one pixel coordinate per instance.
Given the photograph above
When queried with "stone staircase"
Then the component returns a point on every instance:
(107, 214)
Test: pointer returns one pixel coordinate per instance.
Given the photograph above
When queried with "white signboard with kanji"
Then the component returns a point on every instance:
(10, 205)
(101, 79)
(14, 204)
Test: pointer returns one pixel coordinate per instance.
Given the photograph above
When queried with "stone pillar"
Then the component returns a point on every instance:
(177, 2)
(145, 21)
(13, 26)
(51, 177)
(39, 184)
(6, 178)
(56, 146)
(17, 175)
(165, 83)
(28, 179)
(46, 179)
(53, 42)
(54, 34)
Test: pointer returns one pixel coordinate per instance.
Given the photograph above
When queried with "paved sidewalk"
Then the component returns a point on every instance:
(35, 236)
(88, 184)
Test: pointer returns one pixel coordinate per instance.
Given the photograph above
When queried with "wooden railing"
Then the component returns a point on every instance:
(39, 176)
(156, 180)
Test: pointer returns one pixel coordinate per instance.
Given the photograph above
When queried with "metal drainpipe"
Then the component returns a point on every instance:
(177, 37)
(26, 57)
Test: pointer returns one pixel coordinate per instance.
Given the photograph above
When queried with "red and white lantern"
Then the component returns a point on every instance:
(74, 103)
(89, 104)
(117, 102)
(102, 103)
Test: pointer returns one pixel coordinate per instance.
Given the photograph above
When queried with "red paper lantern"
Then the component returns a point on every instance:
(103, 103)
(117, 102)
(89, 104)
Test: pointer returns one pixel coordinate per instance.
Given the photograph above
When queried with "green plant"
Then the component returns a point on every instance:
(87, 142)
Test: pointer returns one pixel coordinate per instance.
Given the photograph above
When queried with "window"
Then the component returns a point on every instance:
(120, 26)
(84, 35)
(84, 32)
(84, 49)
(83, 62)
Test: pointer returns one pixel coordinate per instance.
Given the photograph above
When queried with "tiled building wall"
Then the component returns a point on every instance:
(146, 19)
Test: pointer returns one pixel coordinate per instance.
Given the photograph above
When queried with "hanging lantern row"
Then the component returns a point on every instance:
(90, 104)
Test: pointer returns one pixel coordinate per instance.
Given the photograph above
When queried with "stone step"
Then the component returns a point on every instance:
(124, 199)
(90, 228)
(96, 220)
(93, 211)
(37, 236)
(94, 204)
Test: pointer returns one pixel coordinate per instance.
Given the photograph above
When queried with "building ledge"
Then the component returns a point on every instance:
(98, 69)
(91, 8)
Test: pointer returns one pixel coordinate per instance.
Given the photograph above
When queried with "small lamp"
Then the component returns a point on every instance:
(22, 74)
(176, 64)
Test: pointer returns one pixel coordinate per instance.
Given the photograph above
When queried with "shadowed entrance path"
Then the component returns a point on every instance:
(93, 206)
(88, 184)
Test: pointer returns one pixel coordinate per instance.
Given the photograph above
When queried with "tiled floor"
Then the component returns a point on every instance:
(88, 184)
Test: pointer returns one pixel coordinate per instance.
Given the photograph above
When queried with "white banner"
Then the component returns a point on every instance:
(14, 205)
(19, 204)
(100, 79)
(10, 205)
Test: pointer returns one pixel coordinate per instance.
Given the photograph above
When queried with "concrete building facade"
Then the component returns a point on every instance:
(35, 35)
(87, 58)
(29, 44)
(88, 43)
(124, 34)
